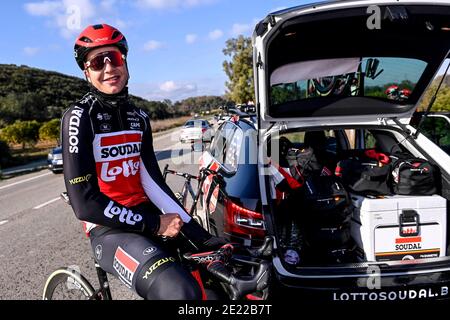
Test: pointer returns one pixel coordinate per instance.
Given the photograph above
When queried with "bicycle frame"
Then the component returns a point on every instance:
(104, 289)
(187, 187)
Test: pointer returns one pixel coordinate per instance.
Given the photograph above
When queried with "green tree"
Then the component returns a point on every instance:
(442, 102)
(239, 70)
(50, 130)
(22, 132)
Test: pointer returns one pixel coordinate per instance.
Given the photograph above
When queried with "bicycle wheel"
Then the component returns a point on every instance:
(67, 284)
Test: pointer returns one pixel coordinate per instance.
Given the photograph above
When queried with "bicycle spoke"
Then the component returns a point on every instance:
(68, 290)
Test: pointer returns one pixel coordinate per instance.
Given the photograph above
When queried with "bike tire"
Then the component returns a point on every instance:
(76, 286)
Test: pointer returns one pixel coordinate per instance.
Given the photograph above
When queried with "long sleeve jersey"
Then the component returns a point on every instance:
(110, 166)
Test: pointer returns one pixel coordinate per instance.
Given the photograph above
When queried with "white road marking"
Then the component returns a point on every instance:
(26, 180)
(46, 203)
(3, 222)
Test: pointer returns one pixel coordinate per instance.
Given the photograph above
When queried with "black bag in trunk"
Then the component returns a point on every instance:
(346, 253)
(322, 238)
(302, 162)
(325, 202)
(414, 176)
(364, 177)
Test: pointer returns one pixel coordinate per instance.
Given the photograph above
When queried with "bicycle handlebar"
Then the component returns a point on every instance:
(186, 175)
(239, 286)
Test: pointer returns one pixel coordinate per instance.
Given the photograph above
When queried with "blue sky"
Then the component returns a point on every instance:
(175, 45)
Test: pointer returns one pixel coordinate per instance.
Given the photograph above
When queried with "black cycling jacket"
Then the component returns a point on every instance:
(110, 165)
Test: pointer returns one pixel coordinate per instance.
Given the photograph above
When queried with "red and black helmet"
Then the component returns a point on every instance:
(391, 90)
(404, 93)
(96, 36)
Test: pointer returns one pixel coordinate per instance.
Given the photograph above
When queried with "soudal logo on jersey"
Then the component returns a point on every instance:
(121, 151)
(125, 265)
(125, 215)
(110, 147)
(74, 125)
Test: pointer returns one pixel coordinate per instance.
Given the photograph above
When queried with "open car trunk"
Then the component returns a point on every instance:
(332, 225)
(348, 60)
(355, 70)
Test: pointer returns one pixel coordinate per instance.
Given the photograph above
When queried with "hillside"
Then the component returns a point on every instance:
(33, 94)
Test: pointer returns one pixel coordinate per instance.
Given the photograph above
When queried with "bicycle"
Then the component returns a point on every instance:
(350, 84)
(217, 263)
(187, 189)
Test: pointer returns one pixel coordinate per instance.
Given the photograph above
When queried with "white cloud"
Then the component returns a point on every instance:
(108, 5)
(31, 51)
(216, 34)
(179, 90)
(120, 24)
(171, 4)
(153, 45)
(168, 86)
(45, 8)
(239, 29)
(166, 90)
(69, 16)
(191, 38)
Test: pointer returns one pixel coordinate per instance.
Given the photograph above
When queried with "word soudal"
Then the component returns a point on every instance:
(125, 215)
(125, 265)
(74, 125)
(156, 265)
(409, 246)
(411, 243)
(120, 151)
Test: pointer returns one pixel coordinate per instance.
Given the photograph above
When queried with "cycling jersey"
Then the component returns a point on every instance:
(110, 165)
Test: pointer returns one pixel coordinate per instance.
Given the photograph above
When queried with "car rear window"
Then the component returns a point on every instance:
(196, 123)
(391, 79)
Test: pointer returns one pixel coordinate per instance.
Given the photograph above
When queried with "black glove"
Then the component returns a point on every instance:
(200, 239)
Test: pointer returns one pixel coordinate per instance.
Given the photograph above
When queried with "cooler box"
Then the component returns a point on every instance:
(400, 227)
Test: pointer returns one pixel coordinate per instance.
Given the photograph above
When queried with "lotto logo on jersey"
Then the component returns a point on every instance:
(125, 265)
(125, 215)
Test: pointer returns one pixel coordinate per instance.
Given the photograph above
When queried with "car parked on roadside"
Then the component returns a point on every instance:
(195, 130)
(221, 119)
(335, 97)
(55, 160)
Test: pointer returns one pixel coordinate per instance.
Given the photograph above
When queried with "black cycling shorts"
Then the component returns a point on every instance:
(147, 266)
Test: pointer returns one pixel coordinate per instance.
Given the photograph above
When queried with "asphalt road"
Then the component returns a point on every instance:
(40, 233)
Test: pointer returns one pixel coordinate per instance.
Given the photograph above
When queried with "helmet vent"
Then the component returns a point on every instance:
(85, 39)
(97, 26)
(115, 35)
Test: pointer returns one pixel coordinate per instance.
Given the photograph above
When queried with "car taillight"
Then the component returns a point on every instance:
(203, 130)
(243, 222)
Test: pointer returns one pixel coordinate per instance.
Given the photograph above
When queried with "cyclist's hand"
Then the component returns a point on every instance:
(170, 225)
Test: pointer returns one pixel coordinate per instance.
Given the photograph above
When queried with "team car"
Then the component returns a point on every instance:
(355, 198)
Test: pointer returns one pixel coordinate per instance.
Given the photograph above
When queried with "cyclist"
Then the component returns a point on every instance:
(114, 182)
